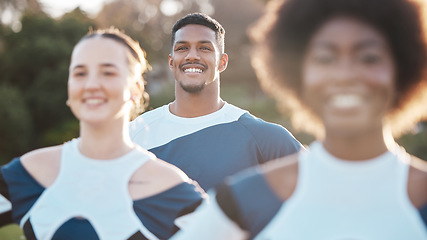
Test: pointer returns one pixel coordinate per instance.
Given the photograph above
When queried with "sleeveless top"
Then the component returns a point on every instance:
(337, 199)
(334, 199)
(95, 190)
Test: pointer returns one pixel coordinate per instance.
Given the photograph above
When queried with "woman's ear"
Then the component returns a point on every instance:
(137, 91)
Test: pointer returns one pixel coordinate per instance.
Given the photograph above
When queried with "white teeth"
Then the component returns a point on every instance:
(94, 101)
(346, 100)
(193, 70)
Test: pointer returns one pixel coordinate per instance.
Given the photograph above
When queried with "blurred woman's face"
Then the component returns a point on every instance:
(99, 81)
(348, 76)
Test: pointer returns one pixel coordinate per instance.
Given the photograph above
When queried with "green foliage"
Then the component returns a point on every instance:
(16, 122)
(416, 142)
(61, 132)
(34, 64)
(165, 96)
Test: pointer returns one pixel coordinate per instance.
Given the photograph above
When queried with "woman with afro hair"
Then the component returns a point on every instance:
(353, 73)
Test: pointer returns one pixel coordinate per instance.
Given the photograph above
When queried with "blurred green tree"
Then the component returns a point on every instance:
(416, 142)
(34, 64)
(12, 10)
(14, 114)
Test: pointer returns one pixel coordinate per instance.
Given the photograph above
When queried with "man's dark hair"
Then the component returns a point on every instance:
(204, 20)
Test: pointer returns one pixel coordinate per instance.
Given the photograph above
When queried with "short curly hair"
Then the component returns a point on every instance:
(204, 20)
(284, 32)
(138, 63)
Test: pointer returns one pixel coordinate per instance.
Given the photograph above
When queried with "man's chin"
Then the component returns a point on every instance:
(192, 88)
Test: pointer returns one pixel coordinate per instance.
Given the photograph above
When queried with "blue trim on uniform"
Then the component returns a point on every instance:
(25, 190)
(6, 218)
(423, 213)
(213, 153)
(138, 236)
(228, 205)
(85, 230)
(251, 184)
(157, 212)
(28, 230)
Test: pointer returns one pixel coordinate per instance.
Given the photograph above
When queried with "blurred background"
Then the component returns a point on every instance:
(36, 40)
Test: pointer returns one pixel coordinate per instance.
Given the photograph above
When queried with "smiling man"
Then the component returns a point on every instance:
(206, 137)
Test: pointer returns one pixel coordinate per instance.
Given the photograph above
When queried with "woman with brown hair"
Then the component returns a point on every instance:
(101, 185)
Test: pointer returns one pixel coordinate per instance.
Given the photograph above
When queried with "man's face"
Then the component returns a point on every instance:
(196, 60)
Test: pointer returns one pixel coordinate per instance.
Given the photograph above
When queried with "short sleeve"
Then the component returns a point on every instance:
(273, 140)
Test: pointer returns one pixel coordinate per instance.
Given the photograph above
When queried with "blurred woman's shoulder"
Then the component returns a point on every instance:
(417, 182)
(43, 164)
(282, 175)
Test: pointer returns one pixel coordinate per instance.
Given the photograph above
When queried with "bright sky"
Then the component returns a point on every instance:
(58, 7)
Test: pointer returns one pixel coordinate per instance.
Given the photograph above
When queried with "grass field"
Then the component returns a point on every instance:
(11, 232)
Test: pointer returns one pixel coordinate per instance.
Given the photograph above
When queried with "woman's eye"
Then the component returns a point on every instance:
(79, 74)
(109, 73)
(370, 58)
(323, 58)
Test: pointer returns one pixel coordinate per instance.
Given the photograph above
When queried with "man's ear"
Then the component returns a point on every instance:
(223, 62)
(170, 62)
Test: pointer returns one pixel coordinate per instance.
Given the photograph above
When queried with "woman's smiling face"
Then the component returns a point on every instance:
(99, 83)
(348, 76)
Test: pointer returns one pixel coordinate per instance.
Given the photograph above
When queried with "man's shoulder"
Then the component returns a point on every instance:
(259, 126)
(270, 137)
(146, 119)
(232, 112)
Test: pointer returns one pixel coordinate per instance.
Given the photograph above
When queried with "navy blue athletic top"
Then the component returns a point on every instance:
(212, 147)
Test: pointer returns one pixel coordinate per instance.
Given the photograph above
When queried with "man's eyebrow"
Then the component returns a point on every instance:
(180, 42)
(206, 41)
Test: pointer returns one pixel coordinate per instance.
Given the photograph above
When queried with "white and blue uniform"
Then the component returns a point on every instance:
(212, 147)
(89, 199)
(334, 200)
